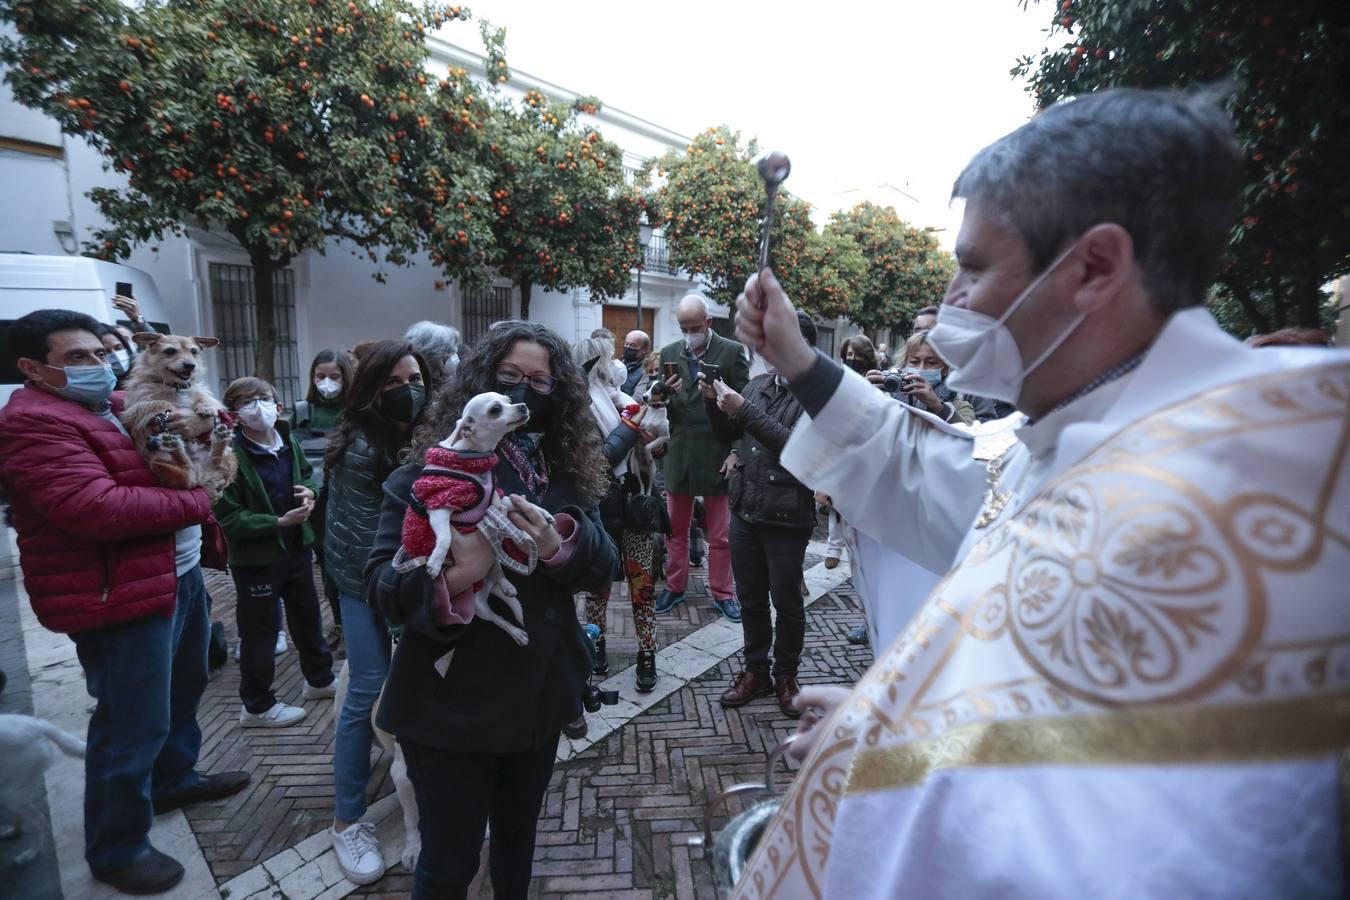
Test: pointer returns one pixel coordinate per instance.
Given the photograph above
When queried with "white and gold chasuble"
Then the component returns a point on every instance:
(1135, 683)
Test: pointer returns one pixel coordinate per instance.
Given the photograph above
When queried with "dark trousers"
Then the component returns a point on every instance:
(147, 676)
(259, 589)
(767, 561)
(458, 794)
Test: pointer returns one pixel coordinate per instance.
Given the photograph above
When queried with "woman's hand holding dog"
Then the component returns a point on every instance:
(537, 523)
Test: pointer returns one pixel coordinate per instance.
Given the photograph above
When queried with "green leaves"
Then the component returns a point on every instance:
(906, 269)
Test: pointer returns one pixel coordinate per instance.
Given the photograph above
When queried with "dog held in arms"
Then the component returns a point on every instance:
(455, 499)
(169, 376)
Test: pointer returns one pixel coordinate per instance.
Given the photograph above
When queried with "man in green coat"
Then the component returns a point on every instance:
(696, 461)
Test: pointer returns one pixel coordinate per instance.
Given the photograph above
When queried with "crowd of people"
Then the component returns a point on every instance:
(972, 453)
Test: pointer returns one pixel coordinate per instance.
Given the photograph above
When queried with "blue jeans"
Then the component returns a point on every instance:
(148, 676)
(368, 653)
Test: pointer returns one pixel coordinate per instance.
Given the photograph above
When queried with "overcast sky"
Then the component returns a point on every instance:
(871, 100)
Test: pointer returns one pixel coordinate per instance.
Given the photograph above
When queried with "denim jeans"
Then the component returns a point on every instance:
(147, 676)
(368, 653)
(458, 794)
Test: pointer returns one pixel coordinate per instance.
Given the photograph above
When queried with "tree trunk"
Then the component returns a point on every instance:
(264, 313)
(1307, 301)
(1257, 319)
(525, 287)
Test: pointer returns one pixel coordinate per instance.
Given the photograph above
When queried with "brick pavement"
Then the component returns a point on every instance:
(596, 838)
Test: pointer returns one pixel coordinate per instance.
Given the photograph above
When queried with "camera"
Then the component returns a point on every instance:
(895, 380)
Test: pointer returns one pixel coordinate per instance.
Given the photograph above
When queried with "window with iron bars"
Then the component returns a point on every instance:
(482, 307)
(233, 308)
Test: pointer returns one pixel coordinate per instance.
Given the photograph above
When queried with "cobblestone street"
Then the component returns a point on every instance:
(619, 811)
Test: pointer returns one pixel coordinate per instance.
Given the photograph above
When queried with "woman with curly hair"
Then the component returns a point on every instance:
(478, 716)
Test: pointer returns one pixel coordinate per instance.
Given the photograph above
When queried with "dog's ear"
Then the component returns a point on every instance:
(206, 343)
(146, 338)
(463, 428)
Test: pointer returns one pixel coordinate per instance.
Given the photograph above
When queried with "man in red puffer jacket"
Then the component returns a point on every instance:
(112, 559)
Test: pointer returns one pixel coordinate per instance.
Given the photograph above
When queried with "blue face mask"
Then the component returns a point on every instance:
(932, 376)
(88, 385)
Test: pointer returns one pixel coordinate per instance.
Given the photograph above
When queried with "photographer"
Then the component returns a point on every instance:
(922, 383)
(772, 517)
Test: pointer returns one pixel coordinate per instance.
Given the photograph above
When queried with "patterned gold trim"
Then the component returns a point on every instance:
(1248, 732)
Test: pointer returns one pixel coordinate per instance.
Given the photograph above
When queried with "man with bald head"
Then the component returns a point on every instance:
(636, 346)
(697, 463)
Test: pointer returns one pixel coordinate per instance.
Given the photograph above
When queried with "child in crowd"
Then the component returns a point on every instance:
(329, 375)
(265, 514)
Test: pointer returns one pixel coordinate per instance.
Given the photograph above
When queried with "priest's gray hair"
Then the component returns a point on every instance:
(438, 343)
(1162, 164)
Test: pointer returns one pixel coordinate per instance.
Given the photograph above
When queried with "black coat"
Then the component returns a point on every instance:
(761, 490)
(496, 697)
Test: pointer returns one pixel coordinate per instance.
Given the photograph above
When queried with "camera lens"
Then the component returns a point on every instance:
(894, 381)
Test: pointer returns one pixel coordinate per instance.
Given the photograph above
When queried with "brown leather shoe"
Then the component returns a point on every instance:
(746, 687)
(787, 690)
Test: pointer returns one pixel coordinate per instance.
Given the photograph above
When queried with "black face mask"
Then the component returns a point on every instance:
(631, 355)
(857, 365)
(404, 403)
(539, 405)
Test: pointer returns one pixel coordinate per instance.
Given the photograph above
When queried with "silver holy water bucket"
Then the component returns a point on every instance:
(733, 846)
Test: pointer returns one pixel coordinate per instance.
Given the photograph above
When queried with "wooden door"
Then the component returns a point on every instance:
(623, 319)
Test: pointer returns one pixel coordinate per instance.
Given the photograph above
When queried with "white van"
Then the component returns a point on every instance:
(29, 282)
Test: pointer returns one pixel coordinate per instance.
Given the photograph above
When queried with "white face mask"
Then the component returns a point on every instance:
(618, 374)
(980, 349)
(259, 415)
(328, 387)
(696, 342)
(120, 360)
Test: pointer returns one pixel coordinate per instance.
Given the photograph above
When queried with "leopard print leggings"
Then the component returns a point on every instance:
(638, 551)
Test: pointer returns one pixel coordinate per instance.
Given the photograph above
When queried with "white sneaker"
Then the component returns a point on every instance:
(281, 644)
(279, 716)
(310, 692)
(358, 853)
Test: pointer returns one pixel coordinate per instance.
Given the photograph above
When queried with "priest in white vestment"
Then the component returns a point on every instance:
(1134, 681)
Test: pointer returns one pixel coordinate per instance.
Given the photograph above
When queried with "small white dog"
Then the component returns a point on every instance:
(657, 422)
(28, 746)
(456, 499)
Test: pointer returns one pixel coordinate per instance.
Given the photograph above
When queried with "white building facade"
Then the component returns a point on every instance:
(328, 300)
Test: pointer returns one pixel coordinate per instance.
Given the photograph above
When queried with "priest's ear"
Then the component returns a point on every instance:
(1109, 270)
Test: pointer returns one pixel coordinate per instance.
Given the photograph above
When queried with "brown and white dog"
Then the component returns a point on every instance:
(657, 422)
(169, 376)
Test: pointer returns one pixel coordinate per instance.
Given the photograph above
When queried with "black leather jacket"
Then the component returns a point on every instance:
(762, 491)
(353, 514)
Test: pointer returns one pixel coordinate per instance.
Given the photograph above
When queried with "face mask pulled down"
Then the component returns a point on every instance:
(981, 350)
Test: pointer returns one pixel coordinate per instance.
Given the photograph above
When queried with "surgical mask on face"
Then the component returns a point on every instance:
(696, 341)
(932, 376)
(259, 415)
(981, 350)
(404, 403)
(539, 405)
(88, 385)
(120, 360)
(328, 387)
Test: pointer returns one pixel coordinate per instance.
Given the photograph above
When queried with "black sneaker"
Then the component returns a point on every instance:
(152, 873)
(646, 671)
(600, 664)
(208, 788)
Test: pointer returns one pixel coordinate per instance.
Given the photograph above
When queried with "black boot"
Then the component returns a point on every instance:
(152, 873)
(646, 671)
(600, 663)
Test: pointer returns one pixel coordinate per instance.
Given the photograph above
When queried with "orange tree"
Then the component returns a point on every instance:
(906, 269)
(709, 200)
(282, 123)
(1290, 66)
(560, 214)
(830, 280)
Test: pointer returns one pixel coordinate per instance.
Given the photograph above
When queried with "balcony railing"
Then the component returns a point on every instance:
(658, 256)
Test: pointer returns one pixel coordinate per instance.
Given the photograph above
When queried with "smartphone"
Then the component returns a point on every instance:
(124, 289)
(672, 370)
(710, 372)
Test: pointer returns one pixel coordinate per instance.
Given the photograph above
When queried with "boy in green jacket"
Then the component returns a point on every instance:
(265, 515)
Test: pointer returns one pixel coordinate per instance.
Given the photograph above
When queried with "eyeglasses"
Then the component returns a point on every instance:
(510, 376)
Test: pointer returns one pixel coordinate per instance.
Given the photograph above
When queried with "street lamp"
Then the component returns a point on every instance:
(644, 238)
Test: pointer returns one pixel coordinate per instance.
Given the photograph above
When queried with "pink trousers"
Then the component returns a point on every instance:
(681, 509)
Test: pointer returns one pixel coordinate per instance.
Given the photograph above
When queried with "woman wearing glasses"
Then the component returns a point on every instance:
(383, 403)
(478, 717)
